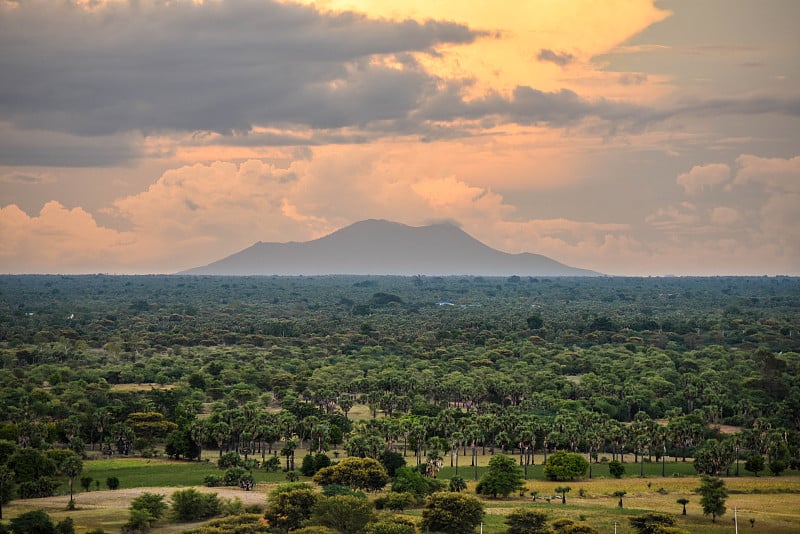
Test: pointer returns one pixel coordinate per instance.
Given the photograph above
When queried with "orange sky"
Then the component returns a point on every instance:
(624, 136)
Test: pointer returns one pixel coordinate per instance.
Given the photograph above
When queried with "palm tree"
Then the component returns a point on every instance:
(563, 490)
(684, 501)
(200, 433)
(71, 467)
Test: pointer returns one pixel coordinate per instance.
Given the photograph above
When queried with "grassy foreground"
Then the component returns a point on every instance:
(771, 501)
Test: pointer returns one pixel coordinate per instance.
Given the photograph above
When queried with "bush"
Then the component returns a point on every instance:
(359, 473)
(344, 513)
(390, 526)
(313, 463)
(112, 483)
(452, 513)
(190, 504)
(139, 521)
(563, 465)
(239, 524)
(290, 505)
(213, 481)
(234, 475)
(616, 469)
(271, 464)
(525, 521)
(35, 489)
(407, 480)
(392, 461)
(776, 467)
(66, 526)
(337, 489)
(33, 522)
(230, 459)
(651, 522)
(395, 501)
(152, 503)
(457, 484)
(86, 483)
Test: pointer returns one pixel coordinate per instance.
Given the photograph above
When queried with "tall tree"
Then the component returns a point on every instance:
(713, 496)
(71, 466)
(503, 476)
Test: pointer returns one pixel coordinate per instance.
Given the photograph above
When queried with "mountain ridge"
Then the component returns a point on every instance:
(378, 247)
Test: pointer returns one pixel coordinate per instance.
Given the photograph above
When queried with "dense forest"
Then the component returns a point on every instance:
(612, 368)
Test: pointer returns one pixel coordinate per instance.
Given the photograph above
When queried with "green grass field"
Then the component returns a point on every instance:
(770, 501)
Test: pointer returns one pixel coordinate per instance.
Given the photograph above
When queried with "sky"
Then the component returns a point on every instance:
(630, 137)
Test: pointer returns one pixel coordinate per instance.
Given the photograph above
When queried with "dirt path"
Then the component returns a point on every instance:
(109, 509)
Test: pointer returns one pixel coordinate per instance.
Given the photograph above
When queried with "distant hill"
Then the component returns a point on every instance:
(381, 247)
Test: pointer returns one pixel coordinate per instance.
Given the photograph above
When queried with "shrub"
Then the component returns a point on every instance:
(358, 473)
(290, 505)
(65, 526)
(776, 467)
(390, 526)
(408, 480)
(212, 481)
(344, 513)
(563, 465)
(525, 521)
(452, 513)
(271, 464)
(392, 461)
(190, 504)
(33, 522)
(240, 524)
(86, 483)
(457, 484)
(139, 521)
(616, 469)
(112, 483)
(34, 489)
(230, 459)
(395, 501)
(152, 503)
(234, 475)
(651, 522)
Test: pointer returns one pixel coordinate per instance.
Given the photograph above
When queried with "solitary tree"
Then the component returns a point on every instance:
(713, 496)
(620, 494)
(563, 490)
(684, 501)
(502, 477)
(71, 467)
(754, 463)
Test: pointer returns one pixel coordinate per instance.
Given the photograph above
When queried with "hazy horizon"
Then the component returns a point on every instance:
(640, 138)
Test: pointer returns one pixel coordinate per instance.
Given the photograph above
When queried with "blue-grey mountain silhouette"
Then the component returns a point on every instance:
(378, 247)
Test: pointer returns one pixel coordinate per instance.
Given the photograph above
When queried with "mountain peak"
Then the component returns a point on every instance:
(378, 246)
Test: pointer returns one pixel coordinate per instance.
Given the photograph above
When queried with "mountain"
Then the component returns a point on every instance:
(381, 247)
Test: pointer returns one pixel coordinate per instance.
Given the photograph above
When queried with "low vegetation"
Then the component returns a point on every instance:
(522, 394)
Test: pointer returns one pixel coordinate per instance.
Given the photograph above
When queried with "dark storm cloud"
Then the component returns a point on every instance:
(220, 66)
(561, 59)
(527, 106)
